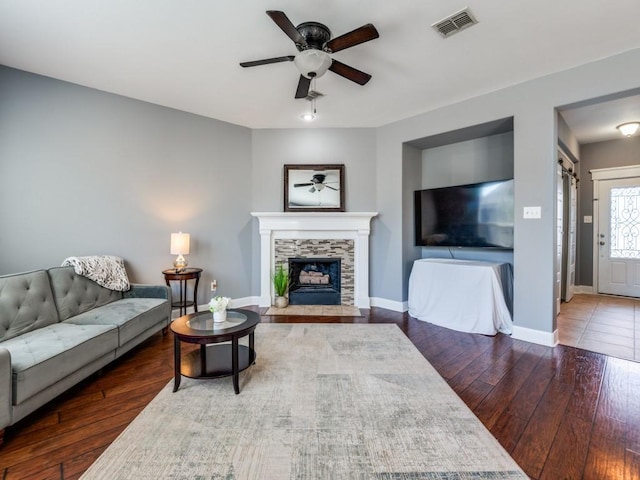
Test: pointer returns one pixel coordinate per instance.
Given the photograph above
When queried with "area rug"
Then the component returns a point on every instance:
(323, 401)
(316, 310)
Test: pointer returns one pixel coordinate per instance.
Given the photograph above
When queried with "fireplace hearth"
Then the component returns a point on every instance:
(315, 281)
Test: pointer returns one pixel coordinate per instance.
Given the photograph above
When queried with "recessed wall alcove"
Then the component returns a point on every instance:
(474, 154)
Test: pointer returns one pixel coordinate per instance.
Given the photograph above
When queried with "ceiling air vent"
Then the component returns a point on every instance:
(454, 23)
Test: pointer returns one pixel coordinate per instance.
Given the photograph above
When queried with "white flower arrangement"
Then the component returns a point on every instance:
(218, 304)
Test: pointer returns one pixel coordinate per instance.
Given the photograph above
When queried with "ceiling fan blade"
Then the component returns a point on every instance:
(302, 184)
(332, 188)
(349, 73)
(287, 27)
(312, 189)
(303, 87)
(266, 61)
(359, 35)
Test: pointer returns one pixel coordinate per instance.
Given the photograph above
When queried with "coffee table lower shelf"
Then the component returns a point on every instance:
(218, 361)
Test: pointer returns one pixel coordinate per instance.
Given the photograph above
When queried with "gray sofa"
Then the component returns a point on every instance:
(57, 328)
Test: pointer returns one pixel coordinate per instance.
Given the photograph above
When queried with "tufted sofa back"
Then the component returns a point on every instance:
(26, 303)
(75, 294)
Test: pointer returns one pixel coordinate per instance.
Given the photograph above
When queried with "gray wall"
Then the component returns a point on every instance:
(532, 105)
(567, 140)
(479, 160)
(613, 153)
(273, 148)
(412, 171)
(84, 172)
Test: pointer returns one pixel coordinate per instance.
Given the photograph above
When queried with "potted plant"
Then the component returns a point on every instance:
(281, 282)
(218, 306)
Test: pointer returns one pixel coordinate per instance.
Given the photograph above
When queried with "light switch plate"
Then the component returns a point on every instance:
(532, 212)
(588, 219)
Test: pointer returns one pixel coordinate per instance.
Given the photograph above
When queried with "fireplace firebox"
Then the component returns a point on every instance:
(314, 281)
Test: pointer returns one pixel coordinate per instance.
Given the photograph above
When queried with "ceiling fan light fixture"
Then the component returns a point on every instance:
(308, 117)
(629, 128)
(312, 63)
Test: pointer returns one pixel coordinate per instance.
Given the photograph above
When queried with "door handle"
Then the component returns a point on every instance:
(601, 243)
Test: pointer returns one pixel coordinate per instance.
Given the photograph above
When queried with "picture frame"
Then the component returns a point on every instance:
(314, 188)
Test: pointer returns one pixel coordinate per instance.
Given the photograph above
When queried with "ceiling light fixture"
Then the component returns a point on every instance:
(308, 117)
(629, 128)
(312, 63)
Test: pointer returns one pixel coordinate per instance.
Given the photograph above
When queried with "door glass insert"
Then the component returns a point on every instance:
(625, 222)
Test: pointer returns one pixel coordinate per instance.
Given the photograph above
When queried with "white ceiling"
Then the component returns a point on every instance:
(185, 54)
(597, 122)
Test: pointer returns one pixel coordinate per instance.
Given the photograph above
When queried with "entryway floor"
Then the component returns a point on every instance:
(602, 324)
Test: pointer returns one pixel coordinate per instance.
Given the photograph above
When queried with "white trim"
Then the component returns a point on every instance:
(389, 304)
(584, 289)
(355, 226)
(535, 336)
(598, 174)
(615, 172)
(595, 212)
(234, 303)
(242, 302)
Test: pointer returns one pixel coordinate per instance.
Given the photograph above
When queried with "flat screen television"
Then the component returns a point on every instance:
(476, 215)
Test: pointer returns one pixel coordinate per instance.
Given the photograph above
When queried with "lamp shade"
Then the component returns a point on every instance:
(629, 128)
(179, 243)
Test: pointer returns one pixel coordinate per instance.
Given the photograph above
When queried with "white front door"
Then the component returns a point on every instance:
(619, 237)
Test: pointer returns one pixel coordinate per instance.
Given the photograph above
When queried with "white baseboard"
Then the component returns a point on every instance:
(245, 301)
(389, 304)
(547, 339)
(586, 289)
(234, 303)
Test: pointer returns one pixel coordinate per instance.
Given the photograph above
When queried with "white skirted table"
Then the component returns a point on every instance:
(463, 295)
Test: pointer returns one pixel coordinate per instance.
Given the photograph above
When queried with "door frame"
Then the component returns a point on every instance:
(570, 224)
(598, 174)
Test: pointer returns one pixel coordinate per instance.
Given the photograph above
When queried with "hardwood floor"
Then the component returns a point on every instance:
(562, 413)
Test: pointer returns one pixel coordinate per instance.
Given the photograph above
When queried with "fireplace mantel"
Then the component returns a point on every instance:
(315, 225)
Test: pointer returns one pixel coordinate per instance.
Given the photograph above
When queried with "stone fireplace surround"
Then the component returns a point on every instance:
(333, 226)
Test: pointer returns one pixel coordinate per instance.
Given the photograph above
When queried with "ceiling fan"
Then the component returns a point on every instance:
(314, 43)
(317, 183)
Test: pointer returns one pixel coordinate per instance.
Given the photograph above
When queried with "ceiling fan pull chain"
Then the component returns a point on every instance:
(313, 101)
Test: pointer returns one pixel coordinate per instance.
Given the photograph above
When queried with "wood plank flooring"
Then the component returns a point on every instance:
(562, 413)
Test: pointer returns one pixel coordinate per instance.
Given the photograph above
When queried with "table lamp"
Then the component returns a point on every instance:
(180, 247)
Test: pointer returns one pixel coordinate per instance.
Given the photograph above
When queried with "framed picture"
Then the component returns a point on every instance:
(314, 188)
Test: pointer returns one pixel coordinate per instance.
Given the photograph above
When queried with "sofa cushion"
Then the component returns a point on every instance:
(132, 316)
(75, 294)
(26, 303)
(43, 357)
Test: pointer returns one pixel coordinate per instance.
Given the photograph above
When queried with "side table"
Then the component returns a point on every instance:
(182, 277)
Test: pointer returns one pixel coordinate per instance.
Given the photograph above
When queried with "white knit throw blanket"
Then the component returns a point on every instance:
(106, 270)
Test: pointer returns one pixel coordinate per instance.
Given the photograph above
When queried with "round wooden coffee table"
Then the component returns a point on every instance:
(212, 360)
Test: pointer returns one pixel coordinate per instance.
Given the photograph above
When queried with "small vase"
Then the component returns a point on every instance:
(281, 302)
(220, 316)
